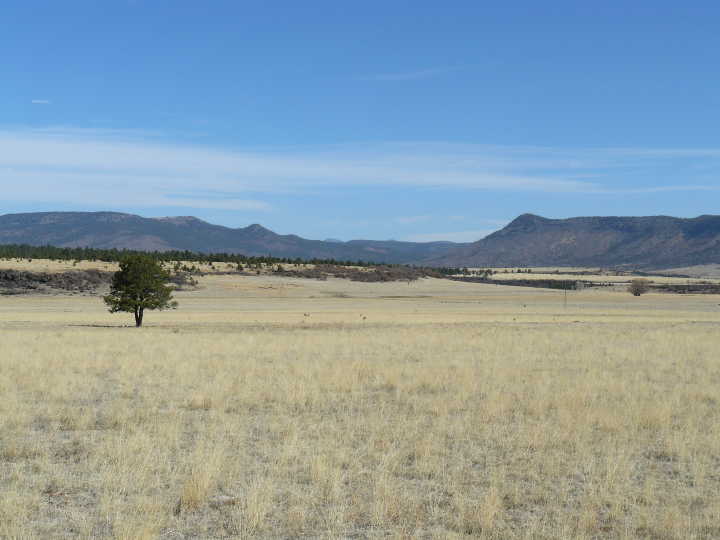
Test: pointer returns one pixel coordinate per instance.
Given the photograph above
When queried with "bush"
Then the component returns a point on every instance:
(638, 286)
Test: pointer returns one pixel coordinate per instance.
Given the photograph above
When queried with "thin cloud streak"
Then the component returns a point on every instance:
(658, 189)
(69, 165)
(40, 102)
(114, 191)
(140, 163)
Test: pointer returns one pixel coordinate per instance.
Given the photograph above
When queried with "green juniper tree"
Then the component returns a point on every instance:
(140, 284)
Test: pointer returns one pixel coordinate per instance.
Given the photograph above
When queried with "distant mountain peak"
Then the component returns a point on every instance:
(105, 230)
(525, 220)
(640, 242)
(256, 228)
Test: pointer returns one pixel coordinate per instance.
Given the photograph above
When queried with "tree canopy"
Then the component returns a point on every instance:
(140, 284)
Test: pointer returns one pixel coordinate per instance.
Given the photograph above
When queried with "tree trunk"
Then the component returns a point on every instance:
(138, 317)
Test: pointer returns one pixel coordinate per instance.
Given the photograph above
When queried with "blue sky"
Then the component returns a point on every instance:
(411, 120)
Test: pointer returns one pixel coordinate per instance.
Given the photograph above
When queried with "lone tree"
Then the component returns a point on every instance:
(140, 284)
(638, 287)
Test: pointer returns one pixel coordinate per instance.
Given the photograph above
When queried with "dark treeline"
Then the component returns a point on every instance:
(24, 251)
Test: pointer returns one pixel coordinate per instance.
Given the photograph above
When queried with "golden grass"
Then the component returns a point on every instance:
(599, 276)
(437, 415)
(52, 266)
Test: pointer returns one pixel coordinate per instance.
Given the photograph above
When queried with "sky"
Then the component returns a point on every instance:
(411, 120)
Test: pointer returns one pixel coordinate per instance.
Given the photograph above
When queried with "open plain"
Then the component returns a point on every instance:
(280, 408)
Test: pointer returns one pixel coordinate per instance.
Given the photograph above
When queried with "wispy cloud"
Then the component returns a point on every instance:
(412, 75)
(136, 168)
(657, 189)
(40, 102)
(70, 133)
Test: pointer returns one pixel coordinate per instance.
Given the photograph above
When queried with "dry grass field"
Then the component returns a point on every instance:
(284, 408)
(706, 274)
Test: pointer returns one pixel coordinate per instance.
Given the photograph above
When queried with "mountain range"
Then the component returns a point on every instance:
(652, 242)
(117, 230)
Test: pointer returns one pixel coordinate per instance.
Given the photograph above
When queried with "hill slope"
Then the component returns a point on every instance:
(641, 242)
(118, 230)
